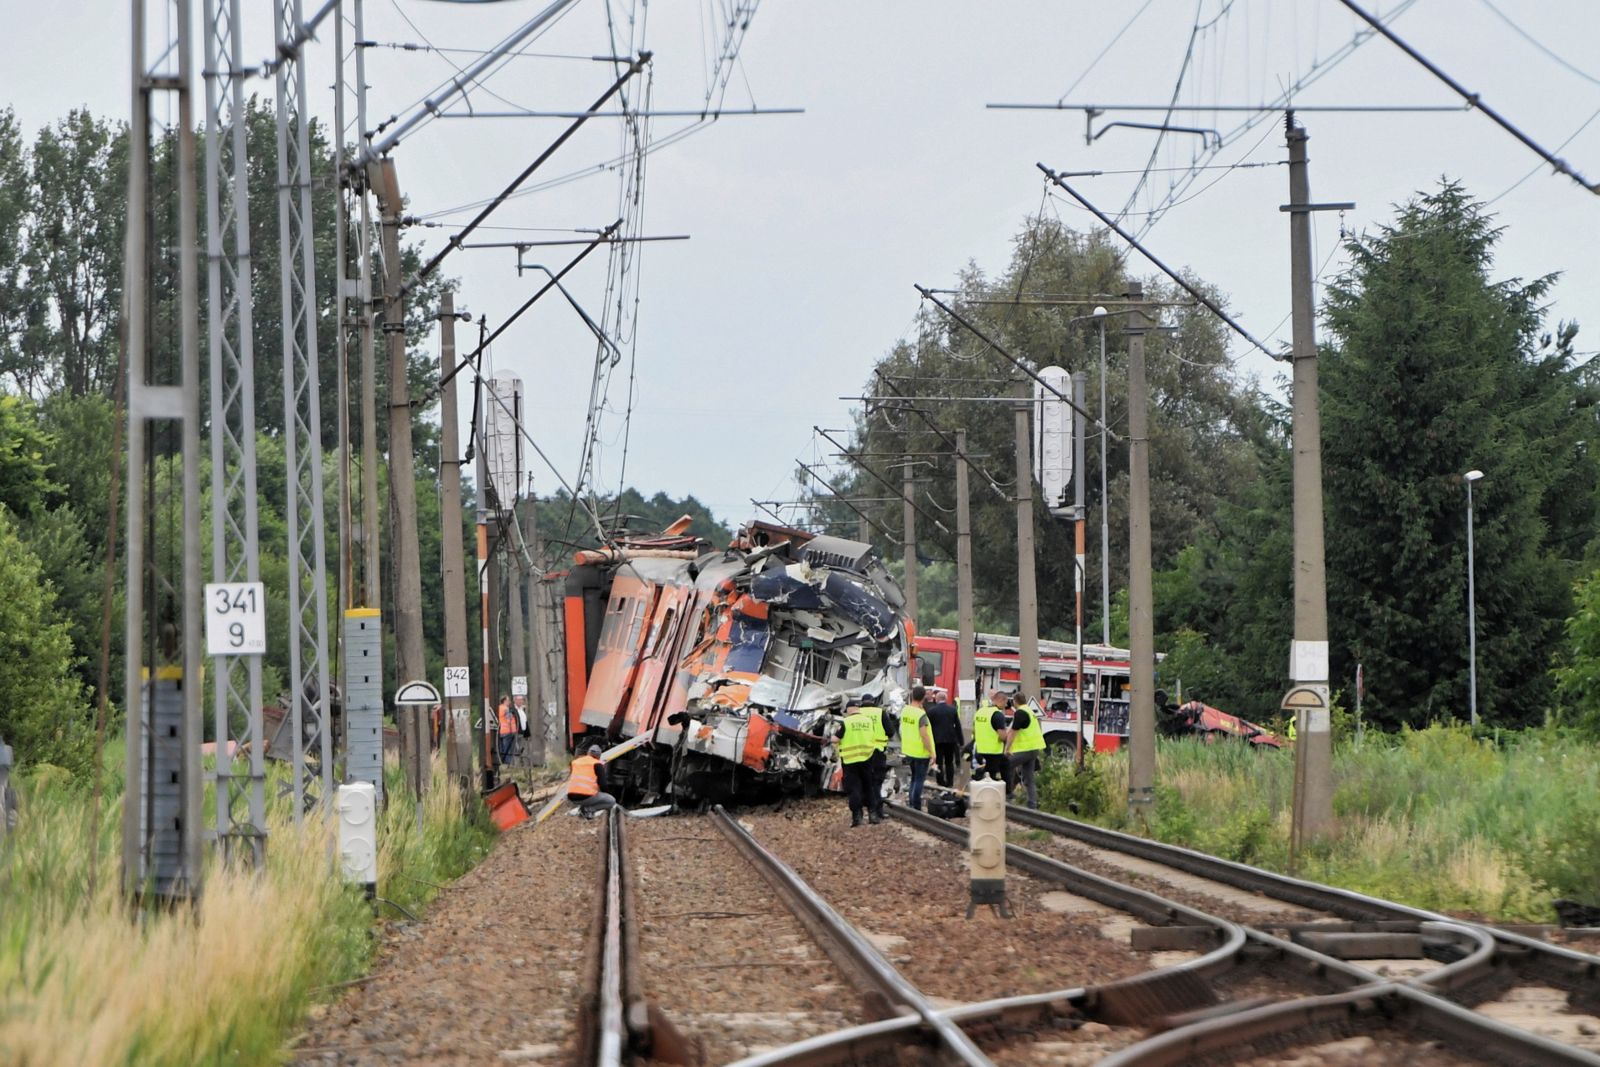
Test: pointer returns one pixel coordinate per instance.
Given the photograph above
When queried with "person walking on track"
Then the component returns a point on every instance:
(948, 739)
(916, 743)
(1024, 747)
(991, 729)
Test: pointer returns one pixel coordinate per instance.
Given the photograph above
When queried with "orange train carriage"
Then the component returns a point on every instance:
(733, 665)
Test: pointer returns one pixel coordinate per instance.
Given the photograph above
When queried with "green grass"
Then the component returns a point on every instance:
(1437, 818)
(224, 981)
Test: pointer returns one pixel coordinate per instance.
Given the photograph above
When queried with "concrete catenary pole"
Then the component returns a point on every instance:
(1080, 384)
(452, 556)
(487, 750)
(1027, 588)
(909, 524)
(1308, 659)
(405, 563)
(1141, 635)
(965, 636)
(1105, 499)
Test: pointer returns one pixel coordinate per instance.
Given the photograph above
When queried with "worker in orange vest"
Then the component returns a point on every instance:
(508, 729)
(586, 784)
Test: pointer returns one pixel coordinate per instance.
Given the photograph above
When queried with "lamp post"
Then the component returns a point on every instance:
(1472, 607)
(1105, 534)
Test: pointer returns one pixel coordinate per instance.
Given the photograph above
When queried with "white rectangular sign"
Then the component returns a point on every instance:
(457, 682)
(519, 685)
(236, 619)
(967, 689)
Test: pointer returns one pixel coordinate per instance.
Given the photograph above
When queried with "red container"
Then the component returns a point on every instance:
(506, 808)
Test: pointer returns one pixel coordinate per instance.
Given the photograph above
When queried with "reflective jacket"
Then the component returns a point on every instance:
(583, 782)
(880, 740)
(1031, 737)
(508, 720)
(859, 742)
(985, 739)
(912, 719)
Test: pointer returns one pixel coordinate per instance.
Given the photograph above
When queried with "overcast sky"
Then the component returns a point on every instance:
(807, 231)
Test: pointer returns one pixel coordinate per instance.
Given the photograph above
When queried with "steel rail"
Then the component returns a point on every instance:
(612, 1036)
(1386, 1001)
(1570, 963)
(887, 988)
(1224, 1029)
(1040, 1011)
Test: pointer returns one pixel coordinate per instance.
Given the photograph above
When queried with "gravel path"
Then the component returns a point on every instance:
(491, 974)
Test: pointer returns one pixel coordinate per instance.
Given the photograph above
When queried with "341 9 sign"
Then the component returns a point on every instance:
(236, 619)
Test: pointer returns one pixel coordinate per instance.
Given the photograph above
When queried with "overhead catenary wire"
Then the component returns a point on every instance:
(455, 239)
(847, 502)
(927, 294)
(864, 468)
(1168, 271)
(1561, 166)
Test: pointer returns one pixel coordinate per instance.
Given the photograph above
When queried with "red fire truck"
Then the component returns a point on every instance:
(1105, 682)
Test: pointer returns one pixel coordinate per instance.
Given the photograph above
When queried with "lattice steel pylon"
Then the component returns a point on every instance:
(309, 696)
(161, 814)
(241, 795)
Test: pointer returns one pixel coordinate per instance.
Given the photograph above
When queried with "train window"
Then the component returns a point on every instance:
(663, 632)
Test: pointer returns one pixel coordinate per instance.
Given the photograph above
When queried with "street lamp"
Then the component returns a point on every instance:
(1105, 529)
(1472, 607)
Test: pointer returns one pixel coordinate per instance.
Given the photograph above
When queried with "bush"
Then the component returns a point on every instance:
(1066, 790)
(43, 715)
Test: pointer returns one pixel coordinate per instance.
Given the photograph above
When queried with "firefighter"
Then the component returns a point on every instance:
(1024, 746)
(586, 784)
(916, 743)
(856, 749)
(508, 728)
(991, 730)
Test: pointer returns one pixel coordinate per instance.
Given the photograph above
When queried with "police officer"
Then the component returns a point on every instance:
(991, 730)
(1024, 748)
(857, 746)
(916, 743)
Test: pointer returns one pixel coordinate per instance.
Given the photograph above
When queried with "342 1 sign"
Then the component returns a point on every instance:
(236, 619)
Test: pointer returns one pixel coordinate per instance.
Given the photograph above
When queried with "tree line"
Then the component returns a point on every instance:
(1431, 365)
(63, 205)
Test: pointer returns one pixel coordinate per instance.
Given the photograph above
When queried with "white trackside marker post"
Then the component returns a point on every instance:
(986, 846)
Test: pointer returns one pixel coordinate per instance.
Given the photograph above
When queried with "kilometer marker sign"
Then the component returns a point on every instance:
(236, 618)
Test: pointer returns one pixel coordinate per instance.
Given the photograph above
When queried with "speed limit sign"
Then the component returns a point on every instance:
(236, 619)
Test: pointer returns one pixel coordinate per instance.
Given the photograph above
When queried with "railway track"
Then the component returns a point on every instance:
(1327, 1005)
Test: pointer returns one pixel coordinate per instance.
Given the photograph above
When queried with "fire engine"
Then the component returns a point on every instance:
(998, 662)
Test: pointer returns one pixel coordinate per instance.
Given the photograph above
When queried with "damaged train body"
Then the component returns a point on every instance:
(729, 668)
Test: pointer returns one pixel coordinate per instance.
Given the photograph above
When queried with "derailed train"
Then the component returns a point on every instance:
(728, 668)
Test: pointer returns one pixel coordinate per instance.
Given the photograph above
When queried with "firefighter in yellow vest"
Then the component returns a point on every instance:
(856, 747)
(991, 729)
(586, 784)
(1024, 748)
(916, 743)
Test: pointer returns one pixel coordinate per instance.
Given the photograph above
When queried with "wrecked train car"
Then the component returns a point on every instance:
(728, 668)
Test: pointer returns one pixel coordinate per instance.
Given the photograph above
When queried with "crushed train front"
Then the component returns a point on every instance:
(729, 669)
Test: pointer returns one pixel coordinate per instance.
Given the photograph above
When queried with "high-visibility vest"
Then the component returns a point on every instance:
(583, 782)
(880, 740)
(1291, 731)
(858, 744)
(911, 719)
(1031, 737)
(508, 721)
(986, 742)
